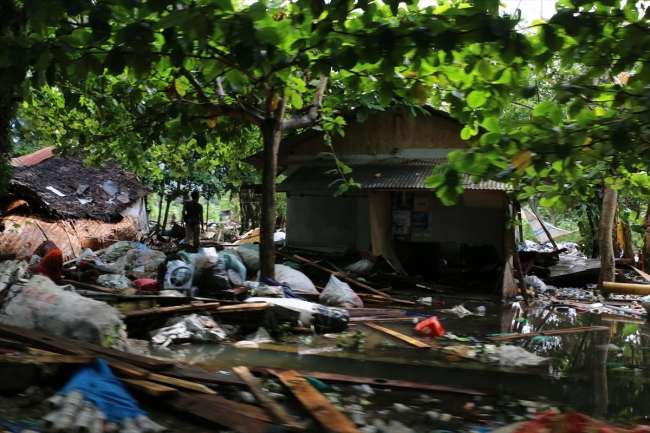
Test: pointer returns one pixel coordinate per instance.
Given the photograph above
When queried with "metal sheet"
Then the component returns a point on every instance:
(388, 173)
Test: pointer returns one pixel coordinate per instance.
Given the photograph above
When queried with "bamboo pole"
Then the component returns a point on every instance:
(626, 288)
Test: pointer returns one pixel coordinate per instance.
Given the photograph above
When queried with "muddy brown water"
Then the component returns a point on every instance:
(603, 374)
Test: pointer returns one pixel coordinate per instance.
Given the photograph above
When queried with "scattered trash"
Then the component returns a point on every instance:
(113, 281)
(459, 310)
(506, 355)
(339, 294)
(192, 328)
(430, 327)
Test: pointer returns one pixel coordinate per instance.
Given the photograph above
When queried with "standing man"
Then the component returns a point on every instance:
(193, 219)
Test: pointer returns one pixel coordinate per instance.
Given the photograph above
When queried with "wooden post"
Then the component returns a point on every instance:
(541, 221)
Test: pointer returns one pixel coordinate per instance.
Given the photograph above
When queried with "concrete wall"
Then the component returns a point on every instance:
(317, 219)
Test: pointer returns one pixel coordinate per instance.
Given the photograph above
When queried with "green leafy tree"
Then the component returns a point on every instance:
(189, 67)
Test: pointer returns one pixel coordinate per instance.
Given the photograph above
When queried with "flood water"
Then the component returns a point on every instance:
(602, 374)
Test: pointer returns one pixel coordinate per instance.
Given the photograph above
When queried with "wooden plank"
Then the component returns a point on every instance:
(243, 308)
(150, 388)
(276, 411)
(241, 408)
(13, 344)
(131, 358)
(548, 333)
(67, 346)
(384, 319)
(210, 411)
(316, 403)
(170, 310)
(87, 286)
(48, 359)
(180, 383)
(381, 382)
(196, 375)
(412, 341)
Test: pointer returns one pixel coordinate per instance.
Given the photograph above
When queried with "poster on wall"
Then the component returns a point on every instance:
(401, 222)
(419, 220)
(421, 202)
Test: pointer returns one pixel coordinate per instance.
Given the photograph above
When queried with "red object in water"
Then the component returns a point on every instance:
(430, 327)
(581, 310)
(573, 422)
(147, 285)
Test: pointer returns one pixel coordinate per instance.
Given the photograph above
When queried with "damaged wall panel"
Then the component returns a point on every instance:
(24, 234)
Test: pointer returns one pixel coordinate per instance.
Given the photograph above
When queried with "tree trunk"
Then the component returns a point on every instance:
(605, 236)
(169, 202)
(11, 22)
(271, 136)
(207, 212)
(628, 247)
(160, 201)
(553, 215)
(645, 259)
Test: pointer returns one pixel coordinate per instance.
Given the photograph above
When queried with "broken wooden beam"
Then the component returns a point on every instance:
(180, 383)
(244, 307)
(88, 286)
(316, 403)
(276, 411)
(155, 389)
(210, 410)
(48, 359)
(549, 333)
(380, 382)
(409, 340)
(171, 310)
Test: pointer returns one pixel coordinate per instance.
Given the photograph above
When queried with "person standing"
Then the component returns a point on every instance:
(193, 219)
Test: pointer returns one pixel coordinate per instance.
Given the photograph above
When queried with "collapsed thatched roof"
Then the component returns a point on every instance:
(68, 188)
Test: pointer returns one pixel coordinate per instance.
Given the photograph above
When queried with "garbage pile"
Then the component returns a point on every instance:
(94, 401)
(547, 247)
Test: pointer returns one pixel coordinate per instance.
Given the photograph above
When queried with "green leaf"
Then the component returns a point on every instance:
(296, 100)
(485, 69)
(115, 62)
(492, 124)
(476, 99)
(257, 11)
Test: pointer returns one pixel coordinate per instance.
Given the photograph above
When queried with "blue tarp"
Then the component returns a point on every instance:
(99, 385)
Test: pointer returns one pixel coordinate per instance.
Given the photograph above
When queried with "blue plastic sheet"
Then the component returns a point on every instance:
(99, 385)
(140, 246)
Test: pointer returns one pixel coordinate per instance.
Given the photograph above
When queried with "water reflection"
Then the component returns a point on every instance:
(598, 373)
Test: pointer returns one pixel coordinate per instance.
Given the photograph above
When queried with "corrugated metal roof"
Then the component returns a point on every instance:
(32, 158)
(389, 173)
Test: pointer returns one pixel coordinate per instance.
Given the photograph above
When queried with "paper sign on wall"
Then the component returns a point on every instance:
(421, 202)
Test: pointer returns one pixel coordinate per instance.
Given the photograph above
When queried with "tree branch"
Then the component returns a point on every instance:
(311, 117)
(218, 88)
(203, 97)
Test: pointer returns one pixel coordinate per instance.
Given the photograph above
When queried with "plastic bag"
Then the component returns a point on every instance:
(119, 266)
(206, 258)
(230, 261)
(430, 327)
(117, 250)
(114, 281)
(146, 285)
(269, 291)
(339, 294)
(360, 267)
(536, 284)
(296, 280)
(250, 254)
(150, 260)
(88, 255)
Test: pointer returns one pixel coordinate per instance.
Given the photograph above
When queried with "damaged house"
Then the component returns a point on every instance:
(393, 213)
(71, 204)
